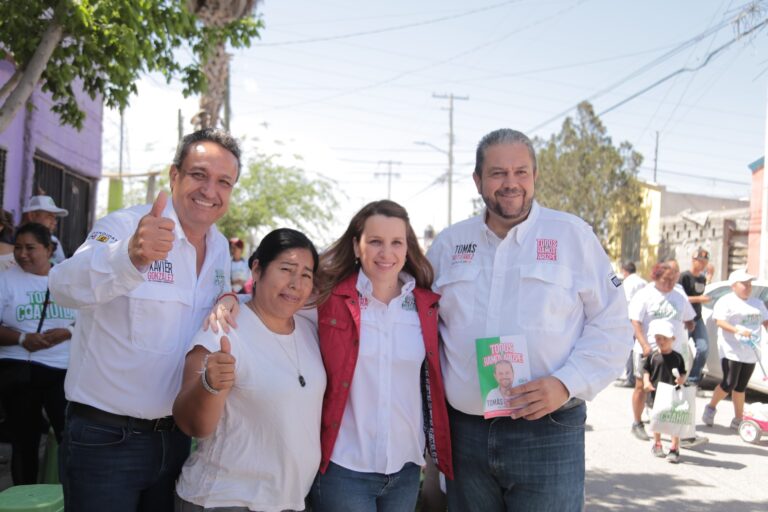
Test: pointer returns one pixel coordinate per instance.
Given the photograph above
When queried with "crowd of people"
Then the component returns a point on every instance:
(665, 314)
(324, 381)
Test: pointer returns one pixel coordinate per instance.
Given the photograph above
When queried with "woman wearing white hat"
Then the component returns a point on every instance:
(738, 318)
(43, 210)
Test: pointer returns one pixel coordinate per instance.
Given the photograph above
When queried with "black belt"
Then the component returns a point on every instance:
(87, 412)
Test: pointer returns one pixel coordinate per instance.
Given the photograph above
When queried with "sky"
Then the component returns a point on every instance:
(350, 85)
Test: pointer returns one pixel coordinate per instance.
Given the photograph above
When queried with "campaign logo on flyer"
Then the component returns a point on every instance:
(160, 271)
(546, 249)
(463, 253)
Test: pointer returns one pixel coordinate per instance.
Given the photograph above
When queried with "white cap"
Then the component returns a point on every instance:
(739, 276)
(661, 326)
(44, 203)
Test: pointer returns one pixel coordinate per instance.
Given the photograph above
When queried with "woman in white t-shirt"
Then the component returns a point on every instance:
(738, 318)
(254, 397)
(34, 349)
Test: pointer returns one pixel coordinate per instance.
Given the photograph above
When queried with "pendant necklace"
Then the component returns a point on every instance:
(296, 365)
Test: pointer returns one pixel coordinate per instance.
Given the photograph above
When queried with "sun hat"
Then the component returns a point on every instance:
(45, 204)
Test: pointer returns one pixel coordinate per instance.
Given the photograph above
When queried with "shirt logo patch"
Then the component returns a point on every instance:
(218, 279)
(363, 301)
(409, 303)
(546, 249)
(463, 253)
(615, 280)
(160, 271)
(101, 236)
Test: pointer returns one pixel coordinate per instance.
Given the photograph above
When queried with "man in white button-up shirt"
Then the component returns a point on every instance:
(143, 281)
(523, 270)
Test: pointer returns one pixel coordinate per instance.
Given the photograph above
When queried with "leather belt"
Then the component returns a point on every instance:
(90, 413)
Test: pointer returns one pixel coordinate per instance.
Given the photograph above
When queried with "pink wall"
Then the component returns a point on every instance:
(755, 211)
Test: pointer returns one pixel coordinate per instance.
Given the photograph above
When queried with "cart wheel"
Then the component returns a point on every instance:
(749, 431)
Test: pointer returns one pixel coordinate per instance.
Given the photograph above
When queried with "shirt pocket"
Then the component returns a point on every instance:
(545, 298)
(156, 317)
(457, 290)
(333, 331)
(409, 342)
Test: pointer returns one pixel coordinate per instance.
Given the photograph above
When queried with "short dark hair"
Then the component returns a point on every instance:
(220, 137)
(6, 221)
(502, 136)
(41, 233)
(629, 267)
(281, 240)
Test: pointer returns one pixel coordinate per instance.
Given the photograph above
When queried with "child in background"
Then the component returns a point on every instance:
(663, 365)
(738, 318)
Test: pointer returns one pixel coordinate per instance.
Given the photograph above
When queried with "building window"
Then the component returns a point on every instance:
(70, 191)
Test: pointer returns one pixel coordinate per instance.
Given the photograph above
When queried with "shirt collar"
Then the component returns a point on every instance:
(170, 212)
(517, 233)
(365, 286)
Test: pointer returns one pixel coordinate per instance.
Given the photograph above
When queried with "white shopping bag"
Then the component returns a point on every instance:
(674, 410)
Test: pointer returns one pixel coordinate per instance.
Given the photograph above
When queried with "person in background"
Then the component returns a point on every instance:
(694, 281)
(632, 283)
(240, 272)
(34, 349)
(384, 405)
(256, 406)
(6, 240)
(738, 317)
(43, 210)
(143, 281)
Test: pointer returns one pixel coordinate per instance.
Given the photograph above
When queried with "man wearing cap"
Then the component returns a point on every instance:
(541, 275)
(43, 210)
(693, 282)
(738, 317)
(143, 281)
(240, 271)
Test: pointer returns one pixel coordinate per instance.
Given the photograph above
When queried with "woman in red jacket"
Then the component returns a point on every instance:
(384, 403)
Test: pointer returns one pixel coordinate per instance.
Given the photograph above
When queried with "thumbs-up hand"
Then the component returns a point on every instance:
(220, 367)
(153, 238)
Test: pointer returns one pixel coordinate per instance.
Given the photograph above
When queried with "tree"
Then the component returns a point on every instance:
(104, 45)
(582, 172)
(271, 195)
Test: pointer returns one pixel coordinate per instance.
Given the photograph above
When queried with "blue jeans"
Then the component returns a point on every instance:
(518, 465)
(701, 341)
(343, 490)
(119, 469)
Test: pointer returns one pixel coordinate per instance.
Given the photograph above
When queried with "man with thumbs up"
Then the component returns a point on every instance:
(143, 281)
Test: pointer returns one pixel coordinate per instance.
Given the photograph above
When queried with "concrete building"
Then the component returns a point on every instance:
(39, 155)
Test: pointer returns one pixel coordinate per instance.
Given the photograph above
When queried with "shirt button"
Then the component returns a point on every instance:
(345, 384)
(429, 312)
(333, 321)
(352, 302)
(335, 425)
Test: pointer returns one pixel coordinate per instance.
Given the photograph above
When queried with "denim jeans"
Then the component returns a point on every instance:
(518, 465)
(185, 506)
(701, 340)
(343, 490)
(119, 469)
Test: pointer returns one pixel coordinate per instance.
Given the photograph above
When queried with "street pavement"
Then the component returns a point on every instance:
(724, 475)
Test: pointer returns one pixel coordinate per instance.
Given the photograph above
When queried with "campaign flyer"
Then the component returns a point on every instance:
(502, 363)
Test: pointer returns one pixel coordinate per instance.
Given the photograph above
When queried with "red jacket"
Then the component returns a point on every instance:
(338, 320)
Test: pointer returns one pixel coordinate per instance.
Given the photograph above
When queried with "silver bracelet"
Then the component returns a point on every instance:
(204, 380)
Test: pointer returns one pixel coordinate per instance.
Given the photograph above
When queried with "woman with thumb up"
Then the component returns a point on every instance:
(253, 397)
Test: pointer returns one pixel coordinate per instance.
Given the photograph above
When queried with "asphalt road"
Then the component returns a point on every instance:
(724, 475)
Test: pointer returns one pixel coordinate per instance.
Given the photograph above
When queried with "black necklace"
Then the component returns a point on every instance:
(297, 365)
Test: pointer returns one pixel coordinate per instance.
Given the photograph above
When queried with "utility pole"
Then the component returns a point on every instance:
(388, 174)
(450, 97)
(656, 157)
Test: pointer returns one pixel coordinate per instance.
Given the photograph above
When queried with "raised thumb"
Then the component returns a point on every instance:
(159, 205)
(226, 346)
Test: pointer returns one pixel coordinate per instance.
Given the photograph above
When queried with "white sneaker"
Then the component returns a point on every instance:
(708, 416)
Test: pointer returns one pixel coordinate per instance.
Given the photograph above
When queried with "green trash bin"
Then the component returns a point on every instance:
(32, 498)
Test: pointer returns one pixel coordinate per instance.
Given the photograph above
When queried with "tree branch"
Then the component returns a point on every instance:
(10, 84)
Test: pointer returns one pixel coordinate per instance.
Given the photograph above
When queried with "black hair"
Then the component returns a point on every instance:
(6, 220)
(280, 240)
(629, 267)
(41, 233)
(220, 137)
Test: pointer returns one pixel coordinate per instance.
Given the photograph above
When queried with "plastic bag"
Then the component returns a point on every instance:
(674, 410)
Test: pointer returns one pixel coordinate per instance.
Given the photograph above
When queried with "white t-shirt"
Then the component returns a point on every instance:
(383, 424)
(7, 261)
(240, 271)
(22, 296)
(750, 313)
(632, 284)
(265, 451)
(651, 304)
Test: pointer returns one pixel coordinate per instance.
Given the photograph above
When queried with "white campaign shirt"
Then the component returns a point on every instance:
(134, 327)
(750, 313)
(632, 284)
(22, 296)
(383, 426)
(549, 280)
(265, 451)
(651, 304)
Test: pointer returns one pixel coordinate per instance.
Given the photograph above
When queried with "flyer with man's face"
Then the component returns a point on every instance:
(502, 364)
